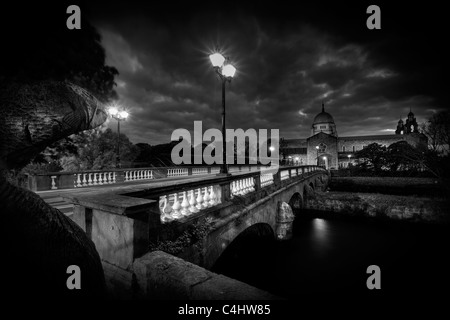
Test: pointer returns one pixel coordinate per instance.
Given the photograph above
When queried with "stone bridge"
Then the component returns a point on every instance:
(194, 219)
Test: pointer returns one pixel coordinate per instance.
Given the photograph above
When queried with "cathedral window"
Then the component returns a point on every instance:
(322, 147)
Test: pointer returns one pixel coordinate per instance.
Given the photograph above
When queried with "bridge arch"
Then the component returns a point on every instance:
(251, 243)
(296, 202)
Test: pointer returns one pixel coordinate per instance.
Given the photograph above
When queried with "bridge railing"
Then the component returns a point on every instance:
(124, 223)
(187, 198)
(89, 178)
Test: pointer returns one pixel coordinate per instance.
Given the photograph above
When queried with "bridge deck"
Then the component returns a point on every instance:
(55, 197)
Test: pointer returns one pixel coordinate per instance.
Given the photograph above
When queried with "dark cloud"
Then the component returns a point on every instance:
(289, 57)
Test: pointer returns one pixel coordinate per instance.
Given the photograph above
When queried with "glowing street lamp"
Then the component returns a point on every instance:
(349, 156)
(226, 72)
(119, 115)
(317, 154)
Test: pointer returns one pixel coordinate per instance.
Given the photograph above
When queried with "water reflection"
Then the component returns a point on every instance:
(333, 255)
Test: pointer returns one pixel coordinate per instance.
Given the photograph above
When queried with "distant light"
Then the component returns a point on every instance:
(228, 71)
(113, 111)
(317, 147)
(123, 114)
(324, 158)
(272, 148)
(349, 155)
(296, 158)
(290, 157)
(217, 60)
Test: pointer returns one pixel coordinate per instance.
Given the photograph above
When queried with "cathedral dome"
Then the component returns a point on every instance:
(323, 117)
(324, 122)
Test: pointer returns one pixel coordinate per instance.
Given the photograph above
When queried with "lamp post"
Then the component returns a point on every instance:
(119, 115)
(325, 162)
(317, 155)
(226, 72)
(349, 156)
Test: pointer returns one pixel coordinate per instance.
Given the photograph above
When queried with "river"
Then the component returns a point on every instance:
(332, 255)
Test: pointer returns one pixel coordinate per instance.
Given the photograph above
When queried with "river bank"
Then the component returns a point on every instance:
(381, 206)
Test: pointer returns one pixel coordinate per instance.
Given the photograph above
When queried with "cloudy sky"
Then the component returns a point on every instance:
(289, 58)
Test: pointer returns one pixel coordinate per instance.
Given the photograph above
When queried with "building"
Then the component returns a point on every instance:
(325, 147)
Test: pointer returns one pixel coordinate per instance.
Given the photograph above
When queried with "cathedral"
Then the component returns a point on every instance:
(324, 147)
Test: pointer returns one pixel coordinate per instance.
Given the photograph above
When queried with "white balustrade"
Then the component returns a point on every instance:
(284, 175)
(196, 171)
(88, 179)
(215, 170)
(133, 175)
(174, 206)
(293, 172)
(242, 186)
(178, 172)
(266, 179)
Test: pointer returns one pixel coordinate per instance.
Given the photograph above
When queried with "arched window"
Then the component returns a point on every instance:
(353, 148)
(343, 148)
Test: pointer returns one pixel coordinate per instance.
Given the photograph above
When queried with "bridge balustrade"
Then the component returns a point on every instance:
(193, 197)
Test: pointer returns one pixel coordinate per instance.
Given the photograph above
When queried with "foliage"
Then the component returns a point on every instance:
(44, 48)
(437, 130)
(193, 235)
(97, 149)
(372, 157)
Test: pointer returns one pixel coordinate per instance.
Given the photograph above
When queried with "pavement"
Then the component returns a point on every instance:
(55, 197)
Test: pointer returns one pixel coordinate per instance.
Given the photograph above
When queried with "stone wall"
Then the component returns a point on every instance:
(330, 152)
(381, 206)
(164, 277)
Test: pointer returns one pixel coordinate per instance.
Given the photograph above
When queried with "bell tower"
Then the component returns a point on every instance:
(400, 127)
(411, 123)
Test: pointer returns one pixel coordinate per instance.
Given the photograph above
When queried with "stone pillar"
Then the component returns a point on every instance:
(284, 221)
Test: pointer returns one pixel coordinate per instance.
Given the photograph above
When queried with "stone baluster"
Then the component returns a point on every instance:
(84, 180)
(252, 184)
(176, 214)
(206, 198)
(53, 182)
(185, 205)
(233, 188)
(199, 199)
(212, 197)
(79, 180)
(166, 210)
(193, 202)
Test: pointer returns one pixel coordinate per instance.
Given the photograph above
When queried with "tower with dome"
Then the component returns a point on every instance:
(324, 146)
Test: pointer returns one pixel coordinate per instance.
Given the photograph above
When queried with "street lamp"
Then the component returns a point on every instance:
(317, 154)
(325, 162)
(225, 71)
(349, 156)
(119, 115)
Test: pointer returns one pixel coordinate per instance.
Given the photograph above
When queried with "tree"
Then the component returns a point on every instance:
(402, 155)
(97, 150)
(41, 47)
(436, 158)
(437, 130)
(372, 157)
